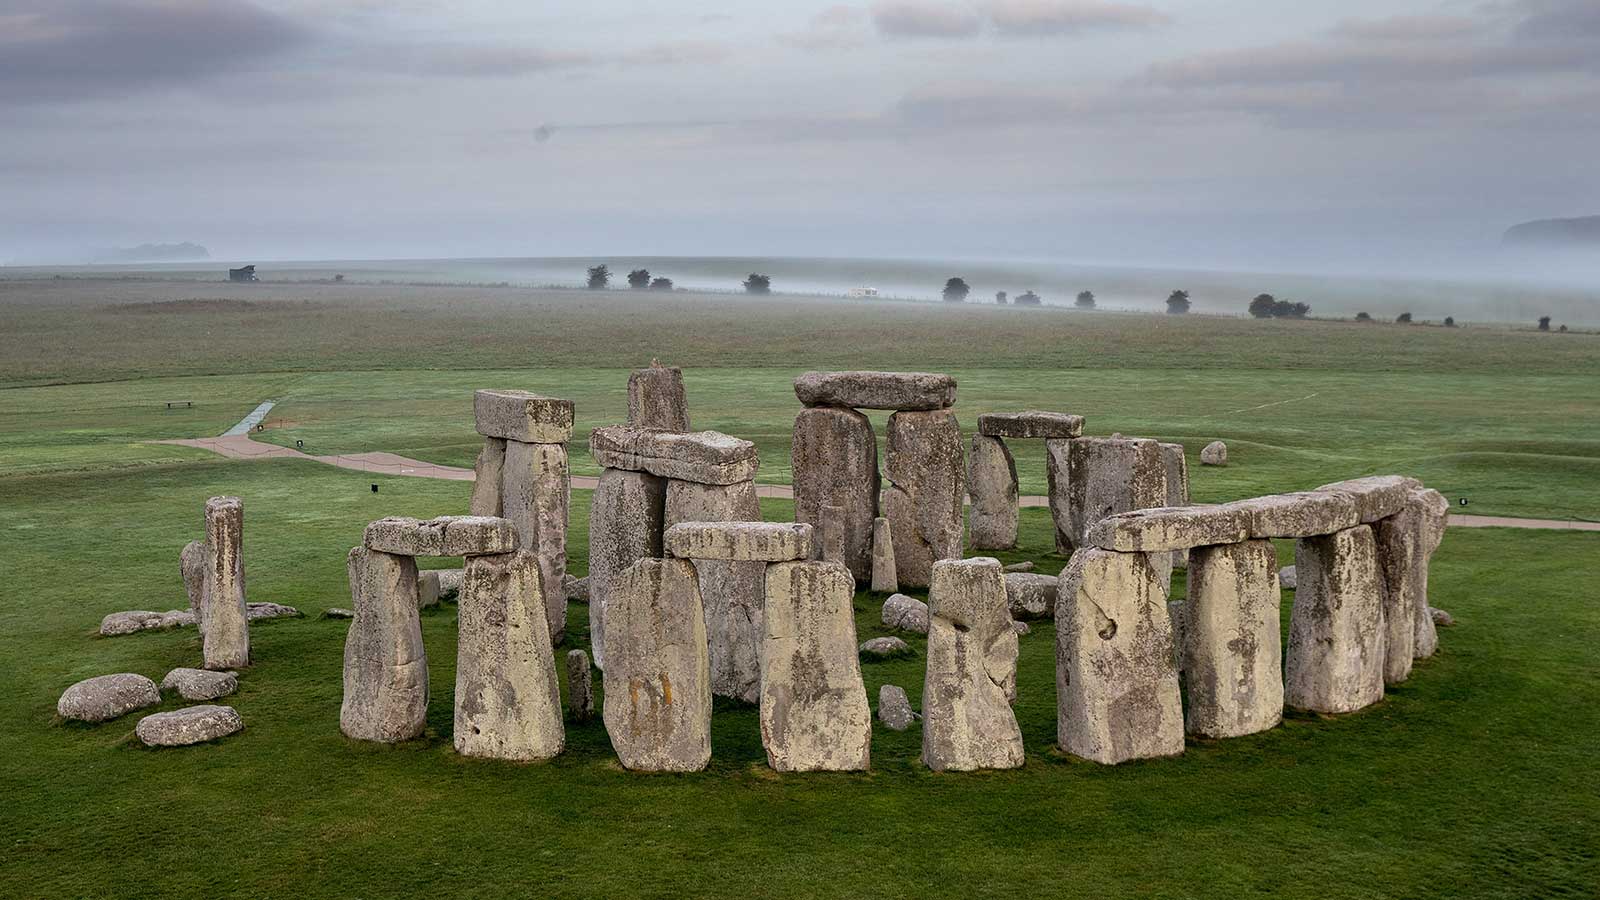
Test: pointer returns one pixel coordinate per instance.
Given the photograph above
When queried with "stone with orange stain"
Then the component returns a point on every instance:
(657, 706)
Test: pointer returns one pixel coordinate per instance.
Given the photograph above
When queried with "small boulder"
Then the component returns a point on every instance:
(120, 623)
(1024, 566)
(894, 708)
(1440, 617)
(1286, 577)
(200, 684)
(1214, 454)
(1030, 595)
(254, 611)
(193, 725)
(906, 614)
(338, 612)
(885, 648)
(107, 696)
(576, 589)
(1021, 628)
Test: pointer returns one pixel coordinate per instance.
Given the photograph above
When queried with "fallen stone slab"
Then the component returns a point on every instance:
(877, 390)
(626, 518)
(1030, 595)
(1024, 566)
(657, 399)
(814, 712)
(884, 648)
(338, 612)
(894, 708)
(967, 721)
(742, 541)
(192, 725)
(834, 460)
(1376, 496)
(1232, 659)
(906, 613)
(106, 697)
(657, 702)
(1297, 515)
(200, 684)
(226, 639)
(1214, 454)
(703, 457)
(522, 416)
(884, 577)
(1169, 528)
(385, 664)
(487, 473)
(992, 485)
(580, 686)
(442, 536)
(120, 623)
(1031, 424)
(258, 611)
(1333, 662)
(507, 697)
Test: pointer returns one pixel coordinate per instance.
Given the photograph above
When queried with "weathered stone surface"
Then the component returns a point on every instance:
(538, 492)
(657, 706)
(227, 632)
(258, 611)
(580, 686)
(1058, 480)
(657, 399)
(705, 457)
(106, 697)
(441, 536)
(626, 518)
(1232, 658)
(576, 589)
(1116, 686)
(834, 458)
(877, 390)
(486, 475)
(1024, 566)
(508, 700)
(971, 676)
(925, 500)
(894, 708)
(1031, 595)
(732, 592)
(1031, 424)
(522, 416)
(1376, 496)
(1169, 528)
(200, 684)
(884, 577)
(120, 623)
(1177, 468)
(427, 588)
(385, 666)
(1286, 577)
(885, 647)
(814, 712)
(906, 614)
(992, 485)
(192, 562)
(1297, 515)
(1214, 454)
(1434, 511)
(338, 612)
(1398, 541)
(1440, 617)
(739, 541)
(193, 725)
(831, 543)
(1178, 615)
(449, 582)
(1334, 659)
(1106, 476)
(1021, 628)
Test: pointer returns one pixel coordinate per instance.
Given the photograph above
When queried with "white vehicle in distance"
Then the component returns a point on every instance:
(862, 292)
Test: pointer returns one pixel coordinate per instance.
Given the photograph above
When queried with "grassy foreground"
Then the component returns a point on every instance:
(1474, 779)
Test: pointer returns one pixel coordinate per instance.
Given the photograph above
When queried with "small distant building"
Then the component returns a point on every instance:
(862, 292)
(247, 273)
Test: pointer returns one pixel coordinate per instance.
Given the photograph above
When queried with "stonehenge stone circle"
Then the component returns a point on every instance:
(192, 725)
(925, 499)
(1116, 685)
(906, 613)
(1030, 595)
(1232, 656)
(106, 697)
(992, 485)
(507, 698)
(703, 457)
(1030, 424)
(834, 459)
(580, 686)
(200, 684)
(894, 708)
(523, 417)
(227, 624)
(657, 706)
(731, 591)
(967, 721)
(884, 577)
(536, 491)
(905, 391)
(385, 665)
(1214, 454)
(626, 517)
(1334, 659)
(657, 399)
(814, 712)
(739, 541)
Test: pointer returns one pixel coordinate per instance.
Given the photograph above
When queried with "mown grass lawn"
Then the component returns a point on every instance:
(1474, 779)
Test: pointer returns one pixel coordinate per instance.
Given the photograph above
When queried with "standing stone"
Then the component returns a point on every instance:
(732, 591)
(656, 398)
(967, 722)
(1232, 658)
(1334, 660)
(992, 484)
(428, 592)
(625, 523)
(227, 628)
(487, 472)
(1214, 454)
(884, 577)
(814, 712)
(1434, 511)
(927, 492)
(1116, 685)
(834, 458)
(1058, 481)
(385, 666)
(1177, 468)
(1398, 543)
(508, 701)
(657, 706)
(192, 561)
(894, 708)
(1111, 475)
(580, 686)
(537, 492)
(831, 546)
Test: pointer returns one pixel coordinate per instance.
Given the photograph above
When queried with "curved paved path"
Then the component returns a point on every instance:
(240, 446)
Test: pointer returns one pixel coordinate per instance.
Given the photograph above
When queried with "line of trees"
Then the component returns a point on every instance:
(1266, 306)
(599, 279)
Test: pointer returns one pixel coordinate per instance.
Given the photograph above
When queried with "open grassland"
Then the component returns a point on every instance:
(1474, 779)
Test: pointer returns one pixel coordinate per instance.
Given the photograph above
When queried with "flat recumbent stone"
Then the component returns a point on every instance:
(443, 536)
(703, 457)
(193, 725)
(877, 390)
(523, 416)
(740, 541)
(1030, 424)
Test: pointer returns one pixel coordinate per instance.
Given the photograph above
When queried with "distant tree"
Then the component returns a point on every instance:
(1288, 310)
(1449, 321)
(1544, 323)
(1403, 319)
(639, 279)
(1363, 317)
(661, 284)
(1028, 298)
(1562, 329)
(1085, 300)
(1000, 297)
(758, 284)
(1178, 303)
(956, 290)
(1264, 306)
(599, 277)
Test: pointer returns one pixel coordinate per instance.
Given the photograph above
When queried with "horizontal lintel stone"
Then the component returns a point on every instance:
(443, 536)
(1030, 424)
(522, 416)
(740, 541)
(1169, 528)
(703, 457)
(908, 391)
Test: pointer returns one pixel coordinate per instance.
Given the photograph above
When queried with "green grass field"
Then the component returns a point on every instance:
(1473, 779)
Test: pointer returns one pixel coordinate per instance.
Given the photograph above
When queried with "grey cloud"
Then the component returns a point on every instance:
(1560, 20)
(834, 28)
(1042, 17)
(914, 19)
(1410, 28)
(487, 62)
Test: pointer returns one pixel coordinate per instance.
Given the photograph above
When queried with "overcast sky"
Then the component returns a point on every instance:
(1233, 132)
